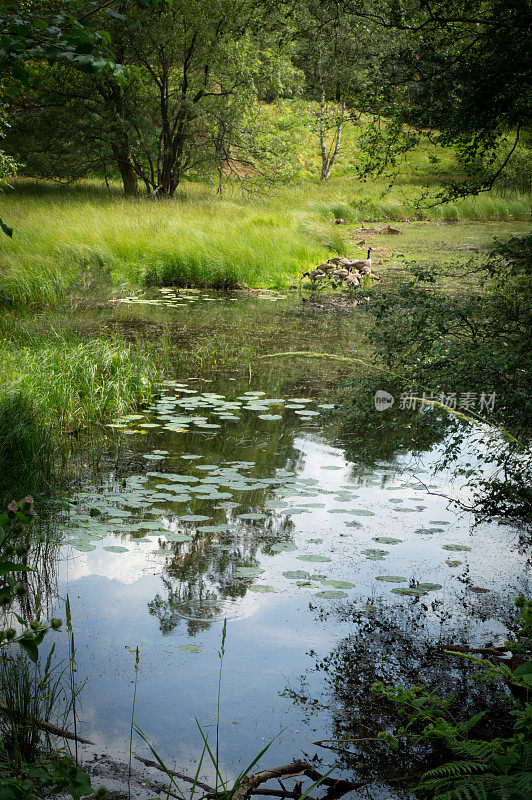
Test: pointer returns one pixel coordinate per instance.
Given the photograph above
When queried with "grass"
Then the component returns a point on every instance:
(53, 390)
(199, 238)
(74, 385)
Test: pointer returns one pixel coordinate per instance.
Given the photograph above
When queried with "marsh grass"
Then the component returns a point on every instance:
(199, 238)
(73, 384)
(30, 693)
(53, 391)
(26, 447)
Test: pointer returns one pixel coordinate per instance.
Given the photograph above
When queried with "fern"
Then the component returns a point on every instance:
(452, 770)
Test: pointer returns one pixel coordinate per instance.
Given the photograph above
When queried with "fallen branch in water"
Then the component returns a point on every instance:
(329, 356)
(251, 784)
(45, 726)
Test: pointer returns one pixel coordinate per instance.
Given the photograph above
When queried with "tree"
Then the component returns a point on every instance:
(457, 71)
(333, 50)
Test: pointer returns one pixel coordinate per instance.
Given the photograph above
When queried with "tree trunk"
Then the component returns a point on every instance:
(127, 170)
(328, 158)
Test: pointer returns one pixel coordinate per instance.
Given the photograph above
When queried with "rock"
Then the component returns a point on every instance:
(340, 221)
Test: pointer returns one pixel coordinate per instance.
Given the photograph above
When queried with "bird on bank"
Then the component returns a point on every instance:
(363, 265)
(314, 275)
(353, 279)
(340, 261)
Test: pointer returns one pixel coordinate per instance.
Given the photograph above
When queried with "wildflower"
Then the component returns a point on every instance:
(12, 507)
(28, 500)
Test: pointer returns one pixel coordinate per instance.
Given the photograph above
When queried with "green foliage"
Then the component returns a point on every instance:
(485, 766)
(55, 776)
(54, 390)
(442, 345)
(15, 543)
(25, 446)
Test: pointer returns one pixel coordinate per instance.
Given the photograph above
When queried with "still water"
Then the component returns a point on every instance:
(239, 504)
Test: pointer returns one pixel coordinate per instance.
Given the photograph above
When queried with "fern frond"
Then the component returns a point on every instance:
(472, 749)
(453, 769)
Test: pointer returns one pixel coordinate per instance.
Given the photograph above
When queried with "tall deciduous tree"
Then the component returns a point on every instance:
(459, 70)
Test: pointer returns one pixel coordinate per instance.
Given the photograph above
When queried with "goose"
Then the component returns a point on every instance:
(314, 274)
(340, 261)
(340, 273)
(353, 280)
(325, 267)
(364, 265)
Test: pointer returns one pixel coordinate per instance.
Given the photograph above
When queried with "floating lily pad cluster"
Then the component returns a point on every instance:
(184, 498)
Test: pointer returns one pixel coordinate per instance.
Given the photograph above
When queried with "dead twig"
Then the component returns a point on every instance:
(46, 726)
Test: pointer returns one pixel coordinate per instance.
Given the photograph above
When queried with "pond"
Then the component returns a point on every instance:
(239, 503)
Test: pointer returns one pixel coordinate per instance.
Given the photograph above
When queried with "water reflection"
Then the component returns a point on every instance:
(267, 520)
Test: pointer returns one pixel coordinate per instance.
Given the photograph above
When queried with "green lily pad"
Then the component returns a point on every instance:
(339, 584)
(456, 547)
(177, 537)
(478, 589)
(190, 648)
(270, 417)
(284, 547)
(451, 563)
(296, 573)
(248, 572)
(429, 587)
(194, 518)
(115, 548)
(391, 578)
(330, 594)
(83, 547)
(409, 591)
(375, 553)
(262, 588)
(253, 516)
(311, 557)
(386, 540)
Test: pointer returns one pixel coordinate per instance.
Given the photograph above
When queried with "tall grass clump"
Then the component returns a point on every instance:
(73, 385)
(26, 448)
(54, 391)
(30, 694)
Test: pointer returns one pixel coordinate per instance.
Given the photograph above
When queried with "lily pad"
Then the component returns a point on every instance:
(284, 547)
(312, 557)
(339, 584)
(391, 578)
(253, 516)
(115, 548)
(330, 594)
(190, 648)
(409, 591)
(270, 417)
(429, 587)
(194, 518)
(456, 547)
(248, 572)
(83, 547)
(296, 573)
(262, 588)
(451, 563)
(386, 540)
